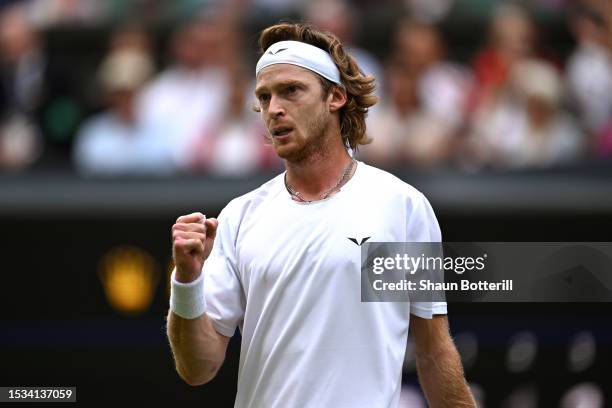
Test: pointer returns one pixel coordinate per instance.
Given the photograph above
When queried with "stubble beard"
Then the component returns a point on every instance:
(313, 144)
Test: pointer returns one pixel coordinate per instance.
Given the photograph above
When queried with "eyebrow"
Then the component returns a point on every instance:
(282, 84)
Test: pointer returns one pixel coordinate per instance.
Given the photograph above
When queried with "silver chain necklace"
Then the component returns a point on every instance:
(296, 195)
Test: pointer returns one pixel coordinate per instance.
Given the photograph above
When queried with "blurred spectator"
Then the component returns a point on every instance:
(22, 72)
(127, 36)
(236, 143)
(43, 87)
(432, 11)
(526, 127)
(336, 16)
(512, 39)
(190, 95)
(115, 142)
(274, 10)
(131, 36)
(62, 12)
(426, 104)
(403, 131)
(442, 86)
(589, 73)
(37, 95)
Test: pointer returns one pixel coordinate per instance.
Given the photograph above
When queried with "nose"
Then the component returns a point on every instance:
(275, 108)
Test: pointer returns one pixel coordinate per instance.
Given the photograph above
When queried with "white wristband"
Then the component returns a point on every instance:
(187, 299)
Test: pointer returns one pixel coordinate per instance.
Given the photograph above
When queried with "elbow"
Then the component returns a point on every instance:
(200, 378)
(195, 381)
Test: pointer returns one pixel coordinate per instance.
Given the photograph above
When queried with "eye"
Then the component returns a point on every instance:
(292, 89)
(263, 98)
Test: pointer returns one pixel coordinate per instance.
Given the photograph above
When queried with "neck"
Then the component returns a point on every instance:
(319, 171)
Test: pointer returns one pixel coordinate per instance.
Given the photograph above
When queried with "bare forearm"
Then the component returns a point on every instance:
(443, 381)
(198, 349)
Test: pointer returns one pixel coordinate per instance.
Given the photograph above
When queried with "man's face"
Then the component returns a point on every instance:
(293, 109)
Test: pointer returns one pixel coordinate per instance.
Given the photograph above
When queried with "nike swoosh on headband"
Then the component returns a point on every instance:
(277, 51)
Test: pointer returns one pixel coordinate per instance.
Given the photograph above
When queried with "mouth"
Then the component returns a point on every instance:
(281, 132)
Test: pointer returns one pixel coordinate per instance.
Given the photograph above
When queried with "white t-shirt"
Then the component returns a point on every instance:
(287, 275)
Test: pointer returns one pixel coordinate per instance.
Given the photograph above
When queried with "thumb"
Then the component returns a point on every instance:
(211, 227)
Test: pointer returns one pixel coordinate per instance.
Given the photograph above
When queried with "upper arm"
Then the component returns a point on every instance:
(222, 342)
(199, 350)
(221, 350)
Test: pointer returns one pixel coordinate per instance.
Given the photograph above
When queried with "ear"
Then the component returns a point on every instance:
(336, 98)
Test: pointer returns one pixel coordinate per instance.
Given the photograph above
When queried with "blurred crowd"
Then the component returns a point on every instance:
(513, 103)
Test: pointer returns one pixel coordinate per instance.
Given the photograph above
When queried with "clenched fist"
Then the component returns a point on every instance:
(192, 240)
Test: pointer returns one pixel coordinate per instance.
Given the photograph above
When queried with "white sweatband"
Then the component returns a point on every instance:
(303, 55)
(187, 299)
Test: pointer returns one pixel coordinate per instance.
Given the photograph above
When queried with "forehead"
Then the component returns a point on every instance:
(283, 73)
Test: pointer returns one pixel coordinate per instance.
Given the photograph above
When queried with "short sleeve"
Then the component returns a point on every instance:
(422, 226)
(223, 291)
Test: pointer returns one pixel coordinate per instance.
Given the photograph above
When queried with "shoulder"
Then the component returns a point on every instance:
(404, 203)
(240, 206)
(387, 184)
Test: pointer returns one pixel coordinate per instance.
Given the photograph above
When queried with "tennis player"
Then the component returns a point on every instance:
(282, 263)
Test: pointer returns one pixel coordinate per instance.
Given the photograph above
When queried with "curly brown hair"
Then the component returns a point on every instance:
(359, 87)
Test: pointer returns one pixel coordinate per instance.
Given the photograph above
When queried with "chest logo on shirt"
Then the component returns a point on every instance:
(357, 242)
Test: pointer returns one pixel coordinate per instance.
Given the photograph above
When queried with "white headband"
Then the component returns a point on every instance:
(303, 55)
